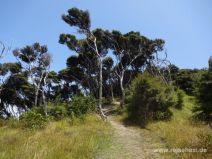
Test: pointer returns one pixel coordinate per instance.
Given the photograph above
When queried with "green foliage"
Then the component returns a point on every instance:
(188, 80)
(177, 97)
(180, 96)
(81, 105)
(33, 120)
(78, 18)
(58, 110)
(204, 97)
(149, 99)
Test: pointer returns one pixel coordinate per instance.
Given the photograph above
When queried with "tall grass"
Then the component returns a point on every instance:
(181, 132)
(66, 139)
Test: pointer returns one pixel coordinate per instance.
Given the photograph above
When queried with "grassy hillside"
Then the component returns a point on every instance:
(181, 132)
(64, 139)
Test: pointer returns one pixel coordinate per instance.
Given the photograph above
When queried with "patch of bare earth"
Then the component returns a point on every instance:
(130, 142)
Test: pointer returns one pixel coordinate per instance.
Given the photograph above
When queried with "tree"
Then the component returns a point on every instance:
(189, 79)
(108, 76)
(93, 43)
(35, 60)
(210, 63)
(204, 96)
(16, 92)
(133, 52)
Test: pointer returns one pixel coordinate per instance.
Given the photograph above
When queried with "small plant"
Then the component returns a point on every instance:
(33, 120)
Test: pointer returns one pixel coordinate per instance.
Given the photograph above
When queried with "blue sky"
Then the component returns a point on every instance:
(185, 25)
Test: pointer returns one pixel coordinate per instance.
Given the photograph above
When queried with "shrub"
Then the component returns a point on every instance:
(178, 97)
(204, 96)
(149, 99)
(33, 120)
(58, 111)
(81, 105)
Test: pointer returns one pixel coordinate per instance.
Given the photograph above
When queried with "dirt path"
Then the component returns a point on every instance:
(130, 143)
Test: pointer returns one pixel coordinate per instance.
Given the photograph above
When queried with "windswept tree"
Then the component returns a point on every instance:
(35, 61)
(94, 43)
(133, 52)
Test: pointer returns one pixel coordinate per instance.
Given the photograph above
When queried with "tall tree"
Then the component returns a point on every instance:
(93, 43)
(132, 51)
(35, 60)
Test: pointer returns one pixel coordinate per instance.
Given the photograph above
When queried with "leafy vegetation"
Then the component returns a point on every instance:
(204, 96)
(33, 120)
(150, 99)
(59, 106)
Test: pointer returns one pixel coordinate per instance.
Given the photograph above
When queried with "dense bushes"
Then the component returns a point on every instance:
(37, 119)
(150, 99)
(81, 105)
(33, 120)
(204, 97)
(178, 98)
(78, 106)
(57, 110)
(188, 79)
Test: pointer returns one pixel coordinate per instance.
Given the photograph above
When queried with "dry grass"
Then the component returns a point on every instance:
(180, 132)
(60, 140)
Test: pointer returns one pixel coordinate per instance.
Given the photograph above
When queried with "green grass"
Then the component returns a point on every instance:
(64, 139)
(182, 132)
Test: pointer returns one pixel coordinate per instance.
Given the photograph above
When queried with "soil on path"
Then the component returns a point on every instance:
(130, 142)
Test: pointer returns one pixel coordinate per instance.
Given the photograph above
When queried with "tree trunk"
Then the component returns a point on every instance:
(122, 103)
(37, 90)
(43, 94)
(36, 96)
(44, 102)
(111, 90)
(100, 89)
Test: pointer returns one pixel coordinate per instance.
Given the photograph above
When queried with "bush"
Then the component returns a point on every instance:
(33, 120)
(81, 105)
(204, 96)
(178, 97)
(149, 99)
(78, 106)
(58, 111)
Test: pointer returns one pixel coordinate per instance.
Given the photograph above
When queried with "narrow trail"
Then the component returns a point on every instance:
(129, 142)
